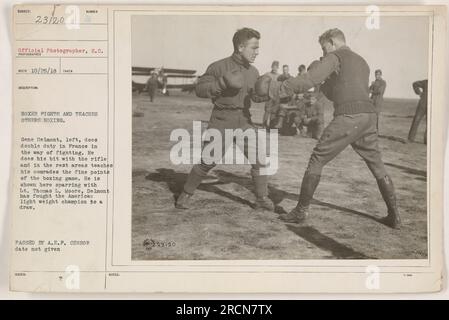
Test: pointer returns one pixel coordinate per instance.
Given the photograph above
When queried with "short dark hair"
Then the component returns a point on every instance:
(285, 65)
(301, 67)
(378, 71)
(332, 34)
(275, 63)
(243, 35)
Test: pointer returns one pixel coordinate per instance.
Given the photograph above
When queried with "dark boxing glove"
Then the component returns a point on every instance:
(313, 65)
(262, 86)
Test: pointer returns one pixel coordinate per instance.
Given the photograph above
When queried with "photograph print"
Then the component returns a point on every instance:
(279, 137)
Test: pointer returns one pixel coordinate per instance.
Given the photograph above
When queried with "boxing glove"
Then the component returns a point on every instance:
(231, 80)
(313, 65)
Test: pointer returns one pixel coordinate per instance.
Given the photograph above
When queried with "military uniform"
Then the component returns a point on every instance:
(313, 115)
(283, 106)
(420, 87)
(271, 107)
(377, 90)
(304, 114)
(346, 76)
(231, 111)
(292, 115)
(152, 85)
(284, 77)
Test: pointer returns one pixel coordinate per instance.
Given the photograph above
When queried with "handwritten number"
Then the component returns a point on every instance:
(49, 20)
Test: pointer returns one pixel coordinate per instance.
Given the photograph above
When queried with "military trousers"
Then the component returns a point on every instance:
(357, 130)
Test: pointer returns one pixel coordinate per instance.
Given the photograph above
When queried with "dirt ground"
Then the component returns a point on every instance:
(221, 224)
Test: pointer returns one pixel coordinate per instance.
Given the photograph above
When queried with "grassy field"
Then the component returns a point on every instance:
(221, 223)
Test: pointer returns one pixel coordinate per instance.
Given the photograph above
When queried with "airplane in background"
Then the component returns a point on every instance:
(182, 79)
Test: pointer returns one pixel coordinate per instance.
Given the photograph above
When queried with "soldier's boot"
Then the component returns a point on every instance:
(261, 191)
(279, 123)
(386, 188)
(301, 211)
(183, 200)
(196, 175)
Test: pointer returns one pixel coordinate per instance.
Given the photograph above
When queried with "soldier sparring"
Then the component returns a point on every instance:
(230, 84)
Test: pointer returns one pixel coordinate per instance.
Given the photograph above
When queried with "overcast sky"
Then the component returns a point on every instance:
(400, 47)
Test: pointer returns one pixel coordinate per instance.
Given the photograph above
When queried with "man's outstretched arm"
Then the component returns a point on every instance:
(301, 83)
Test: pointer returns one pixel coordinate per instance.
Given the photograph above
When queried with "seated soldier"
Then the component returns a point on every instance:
(291, 117)
(296, 115)
(313, 115)
(273, 114)
(279, 114)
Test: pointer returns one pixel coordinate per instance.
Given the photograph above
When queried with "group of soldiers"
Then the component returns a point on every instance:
(341, 75)
(301, 114)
